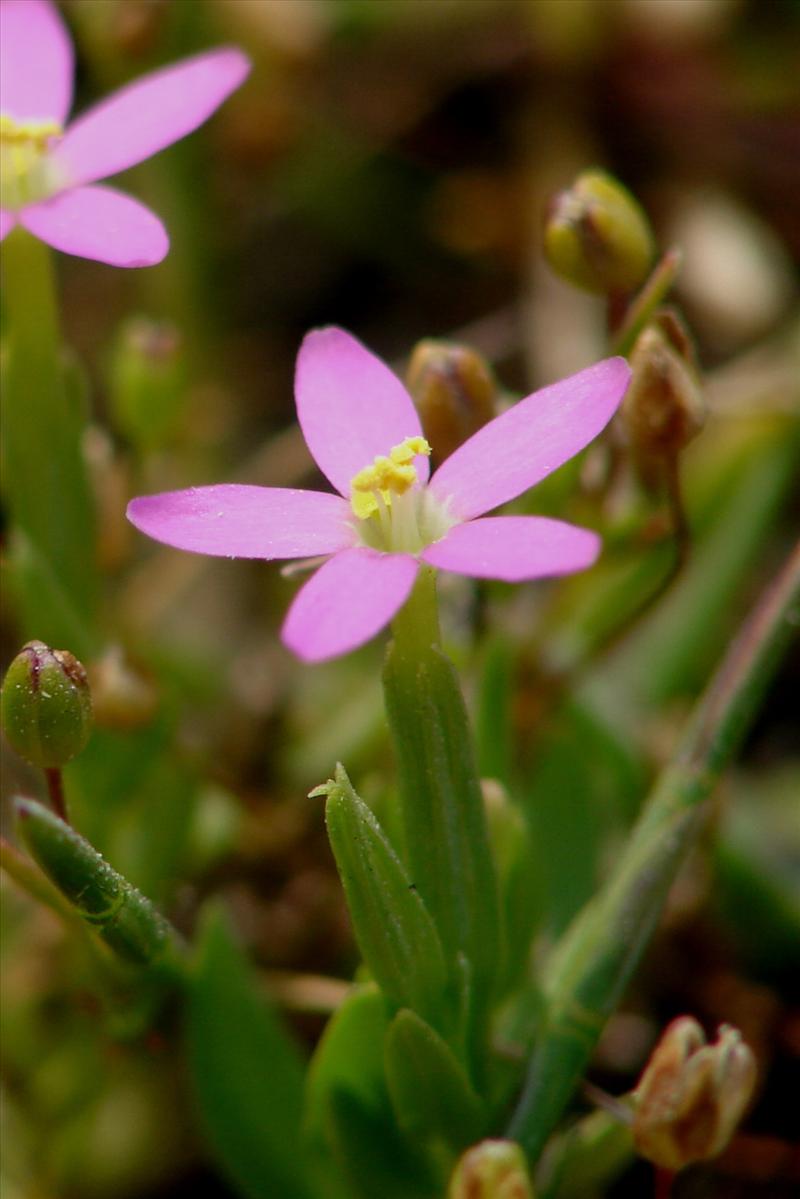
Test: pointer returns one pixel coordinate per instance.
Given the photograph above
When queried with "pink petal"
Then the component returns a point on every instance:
(148, 114)
(236, 521)
(514, 548)
(530, 440)
(7, 222)
(36, 61)
(101, 223)
(346, 602)
(350, 406)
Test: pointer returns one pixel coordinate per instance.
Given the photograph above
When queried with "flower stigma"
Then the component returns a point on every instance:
(393, 514)
(26, 173)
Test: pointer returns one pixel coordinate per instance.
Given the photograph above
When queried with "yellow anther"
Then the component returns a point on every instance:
(34, 133)
(386, 476)
(408, 450)
(26, 175)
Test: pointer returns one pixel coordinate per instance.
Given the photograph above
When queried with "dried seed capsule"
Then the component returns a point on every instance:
(46, 705)
(663, 408)
(691, 1095)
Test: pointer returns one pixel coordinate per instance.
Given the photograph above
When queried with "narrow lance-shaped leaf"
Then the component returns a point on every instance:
(124, 918)
(393, 927)
(246, 1073)
(431, 1094)
(599, 953)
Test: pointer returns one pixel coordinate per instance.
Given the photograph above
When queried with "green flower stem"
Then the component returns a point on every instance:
(595, 960)
(121, 915)
(44, 474)
(646, 302)
(442, 813)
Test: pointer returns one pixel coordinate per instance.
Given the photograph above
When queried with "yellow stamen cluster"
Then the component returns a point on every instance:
(24, 144)
(386, 476)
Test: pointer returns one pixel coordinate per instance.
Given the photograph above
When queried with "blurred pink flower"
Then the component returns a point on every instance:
(48, 173)
(363, 431)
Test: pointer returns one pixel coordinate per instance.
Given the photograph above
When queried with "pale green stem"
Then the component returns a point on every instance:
(595, 960)
(44, 474)
(644, 305)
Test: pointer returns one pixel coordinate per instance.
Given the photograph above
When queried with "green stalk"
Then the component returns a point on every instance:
(442, 814)
(644, 305)
(44, 474)
(596, 958)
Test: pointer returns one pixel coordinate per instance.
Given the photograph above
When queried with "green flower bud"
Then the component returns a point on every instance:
(691, 1095)
(454, 391)
(597, 236)
(46, 705)
(491, 1170)
(147, 381)
(663, 408)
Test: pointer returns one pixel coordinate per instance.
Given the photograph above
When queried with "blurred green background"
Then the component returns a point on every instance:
(386, 168)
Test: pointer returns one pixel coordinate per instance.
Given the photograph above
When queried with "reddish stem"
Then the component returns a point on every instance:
(664, 1180)
(55, 789)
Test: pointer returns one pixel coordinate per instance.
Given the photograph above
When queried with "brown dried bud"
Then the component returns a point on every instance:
(491, 1170)
(663, 407)
(597, 236)
(454, 390)
(692, 1095)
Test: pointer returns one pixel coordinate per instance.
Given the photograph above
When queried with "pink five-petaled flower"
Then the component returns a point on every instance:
(48, 175)
(363, 430)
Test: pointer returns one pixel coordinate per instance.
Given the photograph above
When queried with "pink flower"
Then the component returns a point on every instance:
(48, 175)
(363, 431)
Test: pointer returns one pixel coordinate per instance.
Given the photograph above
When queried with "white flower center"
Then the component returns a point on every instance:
(393, 514)
(26, 171)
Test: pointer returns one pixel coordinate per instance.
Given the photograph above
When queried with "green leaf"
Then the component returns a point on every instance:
(349, 1057)
(444, 823)
(393, 927)
(123, 917)
(374, 1156)
(494, 725)
(431, 1094)
(246, 1073)
(348, 1110)
(595, 959)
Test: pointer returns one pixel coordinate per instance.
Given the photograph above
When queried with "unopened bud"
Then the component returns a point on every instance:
(46, 705)
(692, 1095)
(597, 236)
(663, 408)
(454, 391)
(147, 381)
(491, 1170)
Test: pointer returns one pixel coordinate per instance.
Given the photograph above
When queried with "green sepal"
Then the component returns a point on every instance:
(393, 928)
(246, 1073)
(430, 1091)
(123, 917)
